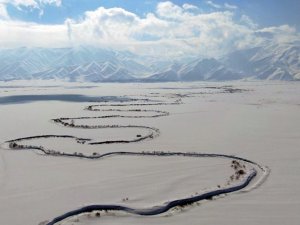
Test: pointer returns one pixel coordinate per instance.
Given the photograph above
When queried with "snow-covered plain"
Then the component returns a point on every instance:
(261, 124)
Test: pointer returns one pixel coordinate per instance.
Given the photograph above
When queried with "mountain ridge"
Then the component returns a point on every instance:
(268, 62)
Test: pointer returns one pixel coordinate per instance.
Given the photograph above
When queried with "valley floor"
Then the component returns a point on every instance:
(259, 121)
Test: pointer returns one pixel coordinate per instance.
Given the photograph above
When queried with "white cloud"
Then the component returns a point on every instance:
(283, 33)
(246, 20)
(169, 31)
(284, 29)
(229, 6)
(51, 2)
(225, 6)
(68, 23)
(214, 5)
(17, 34)
(169, 10)
(31, 4)
(189, 7)
(114, 24)
(21, 3)
(3, 12)
(212, 33)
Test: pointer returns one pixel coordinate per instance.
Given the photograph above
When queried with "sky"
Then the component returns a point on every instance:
(208, 27)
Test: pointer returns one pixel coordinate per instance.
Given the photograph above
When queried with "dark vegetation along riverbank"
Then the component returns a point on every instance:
(241, 178)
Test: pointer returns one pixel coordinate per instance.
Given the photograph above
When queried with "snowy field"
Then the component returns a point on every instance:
(258, 121)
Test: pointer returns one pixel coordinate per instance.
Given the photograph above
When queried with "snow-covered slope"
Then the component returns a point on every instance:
(271, 62)
(205, 69)
(165, 76)
(71, 64)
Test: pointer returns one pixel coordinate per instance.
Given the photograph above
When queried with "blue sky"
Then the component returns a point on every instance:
(180, 27)
(263, 12)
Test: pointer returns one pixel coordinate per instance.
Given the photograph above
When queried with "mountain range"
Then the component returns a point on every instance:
(88, 64)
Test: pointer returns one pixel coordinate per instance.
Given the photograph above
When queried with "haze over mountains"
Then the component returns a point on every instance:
(267, 62)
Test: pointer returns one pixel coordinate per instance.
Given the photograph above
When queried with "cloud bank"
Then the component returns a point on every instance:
(171, 30)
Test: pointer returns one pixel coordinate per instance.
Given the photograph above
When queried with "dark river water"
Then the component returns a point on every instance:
(20, 99)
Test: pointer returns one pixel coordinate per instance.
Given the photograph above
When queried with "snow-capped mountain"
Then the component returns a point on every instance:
(165, 76)
(205, 69)
(70, 64)
(270, 61)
